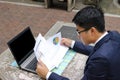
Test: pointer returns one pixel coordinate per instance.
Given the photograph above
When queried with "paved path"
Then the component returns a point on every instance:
(14, 18)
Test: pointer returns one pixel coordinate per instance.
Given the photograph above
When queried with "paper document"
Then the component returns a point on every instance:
(50, 51)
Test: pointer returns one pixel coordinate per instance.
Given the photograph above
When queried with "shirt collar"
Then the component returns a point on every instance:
(101, 37)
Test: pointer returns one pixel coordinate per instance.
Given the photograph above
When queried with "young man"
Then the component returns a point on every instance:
(103, 62)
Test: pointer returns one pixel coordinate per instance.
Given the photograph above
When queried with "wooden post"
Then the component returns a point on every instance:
(70, 4)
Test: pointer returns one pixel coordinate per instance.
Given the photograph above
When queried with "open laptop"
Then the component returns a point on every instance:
(21, 46)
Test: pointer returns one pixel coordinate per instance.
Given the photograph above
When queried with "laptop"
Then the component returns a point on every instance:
(21, 47)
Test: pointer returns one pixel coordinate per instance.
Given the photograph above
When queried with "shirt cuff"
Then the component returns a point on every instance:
(48, 75)
(72, 45)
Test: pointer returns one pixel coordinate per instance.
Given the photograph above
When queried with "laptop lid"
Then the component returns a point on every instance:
(22, 45)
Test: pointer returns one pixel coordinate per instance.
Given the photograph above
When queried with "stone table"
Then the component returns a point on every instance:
(74, 70)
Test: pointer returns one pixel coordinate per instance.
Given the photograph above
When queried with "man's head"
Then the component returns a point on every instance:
(90, 19)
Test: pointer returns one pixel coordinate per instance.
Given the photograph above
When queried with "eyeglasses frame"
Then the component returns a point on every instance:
(79, 32)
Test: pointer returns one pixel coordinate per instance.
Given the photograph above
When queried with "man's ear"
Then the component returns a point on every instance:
(93, 31)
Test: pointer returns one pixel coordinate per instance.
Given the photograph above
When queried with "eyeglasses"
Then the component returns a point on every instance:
(79, 32)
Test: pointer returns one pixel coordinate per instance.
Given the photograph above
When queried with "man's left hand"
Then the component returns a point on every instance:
(42, 69)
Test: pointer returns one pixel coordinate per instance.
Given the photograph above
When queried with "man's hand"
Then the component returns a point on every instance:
(67, 42)
(42, 69)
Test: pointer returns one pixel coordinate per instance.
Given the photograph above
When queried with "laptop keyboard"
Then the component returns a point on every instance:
(32, 65)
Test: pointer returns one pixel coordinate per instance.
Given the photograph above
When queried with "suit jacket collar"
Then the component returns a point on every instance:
(103, 40)
(114, 35)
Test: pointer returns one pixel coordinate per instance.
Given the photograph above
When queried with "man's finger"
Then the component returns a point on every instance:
(41, 63)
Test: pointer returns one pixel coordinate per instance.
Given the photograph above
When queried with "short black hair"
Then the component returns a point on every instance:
(90, 16)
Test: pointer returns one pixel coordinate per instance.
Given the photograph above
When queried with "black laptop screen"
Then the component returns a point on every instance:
(22, 44)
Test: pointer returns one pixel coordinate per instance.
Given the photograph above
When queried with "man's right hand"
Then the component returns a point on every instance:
(67, 42)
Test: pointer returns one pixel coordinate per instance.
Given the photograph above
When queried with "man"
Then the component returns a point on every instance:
(104, 58)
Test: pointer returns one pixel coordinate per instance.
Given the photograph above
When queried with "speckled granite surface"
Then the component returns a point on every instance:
(8, 72)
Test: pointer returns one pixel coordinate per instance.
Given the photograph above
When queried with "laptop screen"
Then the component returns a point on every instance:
(21, 45)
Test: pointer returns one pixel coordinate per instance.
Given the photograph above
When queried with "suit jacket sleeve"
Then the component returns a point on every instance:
(81, 48)
(55, 76)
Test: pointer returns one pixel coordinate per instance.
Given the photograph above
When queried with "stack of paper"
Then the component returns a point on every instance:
(50, 51)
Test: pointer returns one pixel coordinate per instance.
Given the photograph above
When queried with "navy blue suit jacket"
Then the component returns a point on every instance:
(104, 59)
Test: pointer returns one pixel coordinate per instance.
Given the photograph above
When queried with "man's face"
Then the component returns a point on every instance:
(84, 35)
